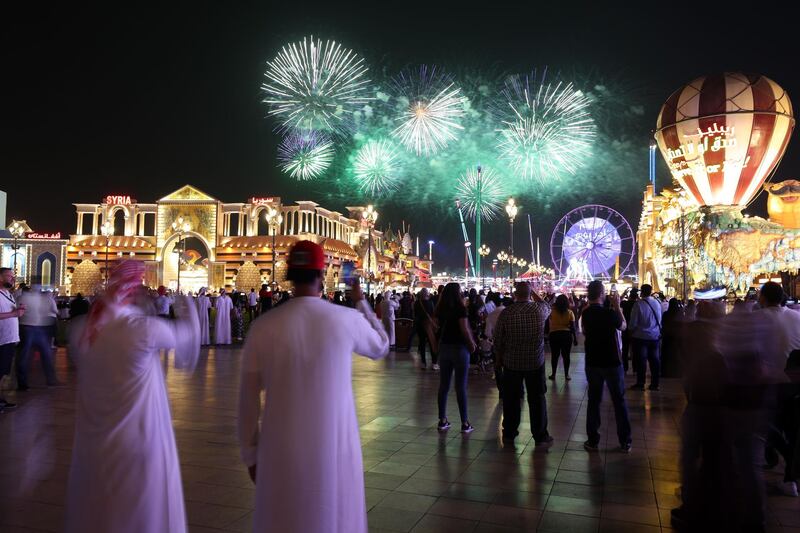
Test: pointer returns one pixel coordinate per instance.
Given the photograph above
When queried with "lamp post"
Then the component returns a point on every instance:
(521, 262)
(511, 210)
(107, 230)
(494, 271)
(503, 257)
(430, 250)
(483, 251)
(180, 226)
(274, 220)
(17, 231)
(369, 216)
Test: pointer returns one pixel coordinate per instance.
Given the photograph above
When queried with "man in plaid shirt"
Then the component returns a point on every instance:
(519, 350)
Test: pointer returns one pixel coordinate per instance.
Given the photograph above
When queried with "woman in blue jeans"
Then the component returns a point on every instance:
(455, 345)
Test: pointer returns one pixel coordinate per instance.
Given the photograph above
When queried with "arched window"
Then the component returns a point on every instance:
(46, 272)
(263, 227)
(119, 222)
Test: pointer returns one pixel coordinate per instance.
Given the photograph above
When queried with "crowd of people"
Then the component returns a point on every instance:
(739, 371)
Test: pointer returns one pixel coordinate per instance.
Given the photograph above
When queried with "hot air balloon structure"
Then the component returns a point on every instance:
(722, 136)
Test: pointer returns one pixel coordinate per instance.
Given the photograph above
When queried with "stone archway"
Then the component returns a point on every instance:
(194, 274)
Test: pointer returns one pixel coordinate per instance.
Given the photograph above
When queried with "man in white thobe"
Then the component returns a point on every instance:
(203, 305)
(306, 457)
(222, 323)
(125, 475)
(388, 307)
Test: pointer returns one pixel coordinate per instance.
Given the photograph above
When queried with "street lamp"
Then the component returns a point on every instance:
(521, 262)
(274, 220)
(430, 250)
(17, 231)
(483, 251)
(494, 271)
(180, 226)
(511, 210)
(107, 231)
(370, 216)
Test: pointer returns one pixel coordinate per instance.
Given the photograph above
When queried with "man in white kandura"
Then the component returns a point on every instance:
(306, 458)
(388, 307)
(203, 305)
(125, 475)
(222, 323)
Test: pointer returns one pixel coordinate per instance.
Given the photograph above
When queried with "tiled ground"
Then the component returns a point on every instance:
(417, 480)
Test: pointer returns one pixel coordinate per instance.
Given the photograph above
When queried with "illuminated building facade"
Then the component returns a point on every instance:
(218, 244)
(40, 258)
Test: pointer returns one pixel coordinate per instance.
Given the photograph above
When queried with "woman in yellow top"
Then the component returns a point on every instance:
(562, 335)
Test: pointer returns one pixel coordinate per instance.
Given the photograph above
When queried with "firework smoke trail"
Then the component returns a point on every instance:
(546, 129)
(431, 110)
(482, 197)
(376, 168)
(314, 87)
(305, 155)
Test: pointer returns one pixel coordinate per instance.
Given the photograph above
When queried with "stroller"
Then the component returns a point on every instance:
(485, 363)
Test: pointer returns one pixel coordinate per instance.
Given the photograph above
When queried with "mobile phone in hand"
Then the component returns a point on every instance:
(348, 275)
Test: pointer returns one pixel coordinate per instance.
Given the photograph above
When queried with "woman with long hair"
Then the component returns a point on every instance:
(562, 335)
(455, 346)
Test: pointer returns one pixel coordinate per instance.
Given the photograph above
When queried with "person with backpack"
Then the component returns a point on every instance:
(645, 328)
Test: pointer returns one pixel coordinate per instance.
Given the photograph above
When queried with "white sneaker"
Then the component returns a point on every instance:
(789, 488)
(436, 367)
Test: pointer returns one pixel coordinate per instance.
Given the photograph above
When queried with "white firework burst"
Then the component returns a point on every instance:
(311, 86)
(376, 167)
(430, 112)
(305, 155)
(481, 193)
(546, 129)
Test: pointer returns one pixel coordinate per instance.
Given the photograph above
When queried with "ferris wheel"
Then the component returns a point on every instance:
(589, 241)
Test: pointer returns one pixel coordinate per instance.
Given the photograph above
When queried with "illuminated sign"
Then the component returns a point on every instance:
(264, 201)
(118, 200)
(34, 235)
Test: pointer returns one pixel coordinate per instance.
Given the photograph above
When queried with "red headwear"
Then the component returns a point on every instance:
(123, 282)
(307, 255)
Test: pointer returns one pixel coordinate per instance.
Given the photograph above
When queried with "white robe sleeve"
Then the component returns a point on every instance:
(249, 403)
(371, 338)
(181, 334)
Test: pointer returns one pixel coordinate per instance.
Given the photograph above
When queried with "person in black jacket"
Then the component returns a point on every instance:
(423, 324)
(78, 306)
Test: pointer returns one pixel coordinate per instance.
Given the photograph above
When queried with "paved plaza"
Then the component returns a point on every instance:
(417, 479)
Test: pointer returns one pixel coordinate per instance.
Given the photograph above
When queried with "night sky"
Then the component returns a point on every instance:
(141, 101)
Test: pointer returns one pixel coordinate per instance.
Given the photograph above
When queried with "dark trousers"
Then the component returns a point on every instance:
(7, 352)
(423, 342)
(35, 338)
(453, 359)
(252, 311)
(560, 346)
(614, 378)
(626, 349)
(647, 351)
(535, 385)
